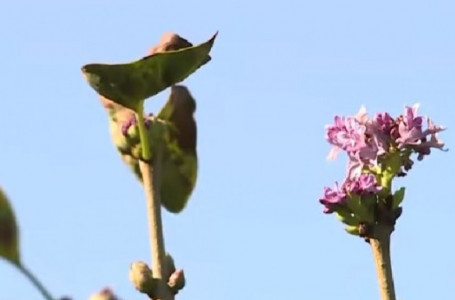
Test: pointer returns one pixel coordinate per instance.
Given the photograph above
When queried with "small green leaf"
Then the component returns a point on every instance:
(128, 84)
(9, 240)
(354, 230)
(179, 159)
(354, 203)
(345, 215)
(398, 197)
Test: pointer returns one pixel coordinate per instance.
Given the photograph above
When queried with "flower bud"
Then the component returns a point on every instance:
(170, 266)
(170, 42)
(177, 281)
(141, 277)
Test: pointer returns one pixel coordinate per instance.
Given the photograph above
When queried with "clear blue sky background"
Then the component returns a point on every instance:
(254, 228)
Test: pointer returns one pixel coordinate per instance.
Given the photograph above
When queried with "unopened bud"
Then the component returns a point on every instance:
(104, 294)
(170, 266)
(141, 277)
(169, 42)
(177, 281)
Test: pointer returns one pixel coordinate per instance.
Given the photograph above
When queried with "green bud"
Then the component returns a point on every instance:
(354, 230)
(142, 278)
(133, 134)
(170, 266)
(345, 215)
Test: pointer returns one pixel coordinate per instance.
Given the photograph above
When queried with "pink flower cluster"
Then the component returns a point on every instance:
(364, 184)
(370, 142)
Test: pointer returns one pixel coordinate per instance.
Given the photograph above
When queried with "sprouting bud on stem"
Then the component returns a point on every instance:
(142, 278)
(170, 266)
(104, 294)
(177, 281)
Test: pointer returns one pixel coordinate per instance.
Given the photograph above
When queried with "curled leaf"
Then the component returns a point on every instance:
(129, 84)
(9, 240)
(174, 131)
(179, 158)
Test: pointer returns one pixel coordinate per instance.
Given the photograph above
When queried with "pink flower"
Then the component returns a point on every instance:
(332, 197)
(363, 184)
(355, 135)
(412, 135)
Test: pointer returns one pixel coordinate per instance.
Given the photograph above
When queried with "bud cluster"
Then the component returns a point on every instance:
(142, 278)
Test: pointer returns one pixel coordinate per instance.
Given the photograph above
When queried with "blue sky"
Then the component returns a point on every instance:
(253, 229)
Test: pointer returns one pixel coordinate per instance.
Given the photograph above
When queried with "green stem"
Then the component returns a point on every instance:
(145, 144)
(380, 245)
(151, 174)
(39, 286)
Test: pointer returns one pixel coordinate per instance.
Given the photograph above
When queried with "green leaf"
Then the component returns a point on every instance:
(354, 230)
(361, 206)
(355, 204)
(129, 84)
(345, 215)
(174, 131)
(179, 159)
(398, 197)
(9, 240)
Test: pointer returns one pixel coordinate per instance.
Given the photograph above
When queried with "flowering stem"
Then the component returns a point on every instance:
(380, 245)
(151, 173)
(39, 286)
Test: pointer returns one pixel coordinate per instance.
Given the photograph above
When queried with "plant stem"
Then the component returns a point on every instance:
(145, 144)
(151, 173)
(39, 286)
(380, 245)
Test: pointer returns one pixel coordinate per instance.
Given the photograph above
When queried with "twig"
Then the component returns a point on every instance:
(39, 286)
(151, 173)
(380, 245)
